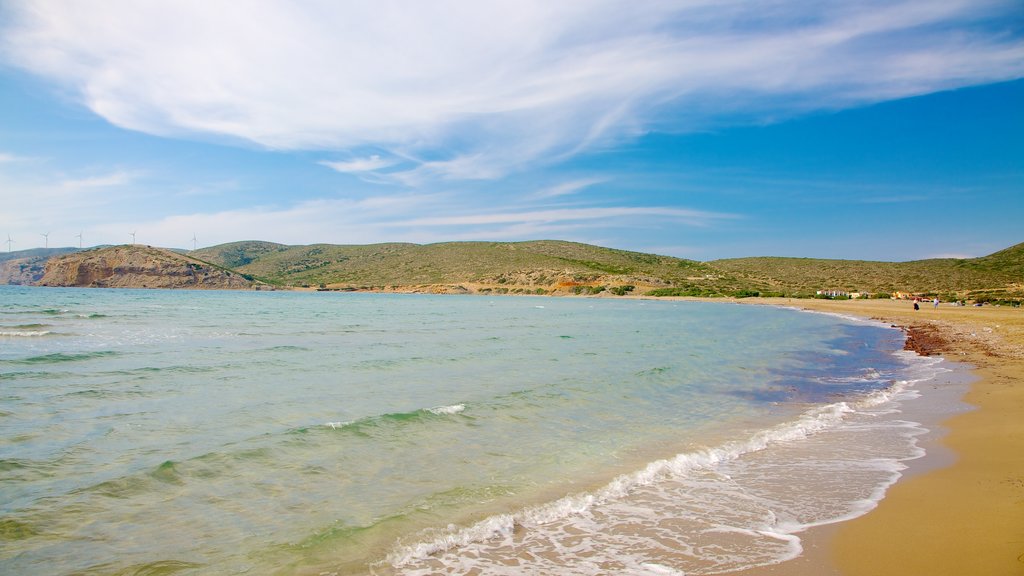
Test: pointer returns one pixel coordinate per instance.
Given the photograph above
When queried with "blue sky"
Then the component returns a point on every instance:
(705, 129)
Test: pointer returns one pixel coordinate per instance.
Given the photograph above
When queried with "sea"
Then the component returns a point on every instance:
(320, 433)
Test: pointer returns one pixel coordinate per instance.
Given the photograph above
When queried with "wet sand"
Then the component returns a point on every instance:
(966, 517)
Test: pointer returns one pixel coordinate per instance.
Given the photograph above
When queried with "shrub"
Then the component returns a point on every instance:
(684, 291)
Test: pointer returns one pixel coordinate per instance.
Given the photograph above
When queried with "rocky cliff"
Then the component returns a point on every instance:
(137, 267)
(26, 267)
(24, 271)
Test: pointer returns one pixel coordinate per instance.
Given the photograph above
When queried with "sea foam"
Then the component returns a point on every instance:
(447, 410)
(24, 333)
(768, 527)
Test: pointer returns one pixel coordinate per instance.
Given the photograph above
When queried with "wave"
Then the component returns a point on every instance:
(433, 543)
(58, 312)
(453, 409)
(104, 394)
(177, 368)
(60, 357)
(423, 414)
(4, 333)
(223, 459)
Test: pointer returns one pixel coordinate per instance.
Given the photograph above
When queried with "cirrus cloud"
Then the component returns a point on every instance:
(369, 164)
(474, 90)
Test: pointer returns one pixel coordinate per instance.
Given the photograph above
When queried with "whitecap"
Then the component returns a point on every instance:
(24, 333)
(447, 410)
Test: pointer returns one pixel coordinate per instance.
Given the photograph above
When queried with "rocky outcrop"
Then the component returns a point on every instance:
(137, 267)
(23, 271)
(26, 267)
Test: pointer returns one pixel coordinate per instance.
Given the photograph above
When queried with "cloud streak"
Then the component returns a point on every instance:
(567, 188)
(389, 219)
(476, 90)
(12, 158)
(691, 217)
(369, 164)
(112, 180)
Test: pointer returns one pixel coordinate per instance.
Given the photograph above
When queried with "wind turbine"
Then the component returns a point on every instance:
(133, 238)
(193, 242)
(79, 236)
(9, 243)
(46, 240)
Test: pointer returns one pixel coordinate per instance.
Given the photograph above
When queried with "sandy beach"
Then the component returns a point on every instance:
(964, 518)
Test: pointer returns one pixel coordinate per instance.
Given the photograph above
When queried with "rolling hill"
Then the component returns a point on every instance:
(498, 266)
(534, 267)
(26, 267)
(137, 267)
(993, 277)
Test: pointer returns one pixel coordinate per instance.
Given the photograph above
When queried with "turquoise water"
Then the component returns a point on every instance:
(304, 433)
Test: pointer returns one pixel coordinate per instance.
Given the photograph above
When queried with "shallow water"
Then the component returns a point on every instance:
(260, 433)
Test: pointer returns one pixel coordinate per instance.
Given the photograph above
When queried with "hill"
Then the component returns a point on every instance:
(237, 254)
(502, 267)
(535, 267)
(26, 267)
(137, 267)
(997, 276)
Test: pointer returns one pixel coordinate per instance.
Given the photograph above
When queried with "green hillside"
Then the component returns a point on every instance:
(544, 264)
(236, 254)
(999, 275)
(558, 267)
(547, 266)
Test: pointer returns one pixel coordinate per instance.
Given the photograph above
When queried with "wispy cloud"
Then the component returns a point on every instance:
(12, 158)
(110, 180)
(408, 217)
(690, 217)
(567, 188)
(475, 90)
(369, 164)
(341, 221)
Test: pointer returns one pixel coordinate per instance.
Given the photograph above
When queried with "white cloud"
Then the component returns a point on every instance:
(410, 217)
(374, 162)
(476, 89)
(567, 188)
(11, 158)
(691, 217)
(339, 221)
(111, 180)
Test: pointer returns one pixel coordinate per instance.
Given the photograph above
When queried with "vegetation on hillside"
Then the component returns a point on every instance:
(549, 266)
(998, 276)
(512, 264)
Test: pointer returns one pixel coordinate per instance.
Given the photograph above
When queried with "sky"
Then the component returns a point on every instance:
(880, 129)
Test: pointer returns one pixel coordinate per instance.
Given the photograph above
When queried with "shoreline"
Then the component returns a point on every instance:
(960, 509)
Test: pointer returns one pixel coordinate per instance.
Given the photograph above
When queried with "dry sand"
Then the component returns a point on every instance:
(963, 519)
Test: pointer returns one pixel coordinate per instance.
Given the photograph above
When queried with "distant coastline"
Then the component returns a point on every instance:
(545, 267)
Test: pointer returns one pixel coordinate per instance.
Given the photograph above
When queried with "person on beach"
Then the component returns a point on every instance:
(935, 303)
(916, 307)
